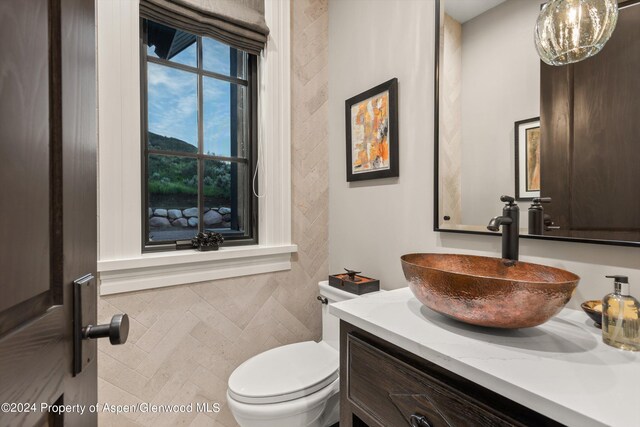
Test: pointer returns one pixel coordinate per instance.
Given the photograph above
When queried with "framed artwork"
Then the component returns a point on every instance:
(372, 133)
(527, 135)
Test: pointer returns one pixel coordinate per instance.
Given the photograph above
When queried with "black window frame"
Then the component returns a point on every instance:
(250, 235)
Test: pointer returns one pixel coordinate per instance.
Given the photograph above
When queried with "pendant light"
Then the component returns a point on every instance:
(569, 31)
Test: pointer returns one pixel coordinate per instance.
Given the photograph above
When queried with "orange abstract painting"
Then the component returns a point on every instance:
(533, 158)
(370, 134)
(527, 153)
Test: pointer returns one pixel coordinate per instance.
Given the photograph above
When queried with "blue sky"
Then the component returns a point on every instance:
(173, 102)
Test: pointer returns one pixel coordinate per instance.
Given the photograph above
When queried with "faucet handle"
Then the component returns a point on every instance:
(542, 200)
(508, 200)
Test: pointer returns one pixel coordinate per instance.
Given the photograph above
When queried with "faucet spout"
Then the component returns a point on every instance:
(497, 221)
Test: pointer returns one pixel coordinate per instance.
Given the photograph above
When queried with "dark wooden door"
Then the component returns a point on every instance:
(47, 206)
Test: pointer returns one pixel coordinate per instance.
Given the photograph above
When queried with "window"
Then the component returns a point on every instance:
(199, 132)
(125, 263)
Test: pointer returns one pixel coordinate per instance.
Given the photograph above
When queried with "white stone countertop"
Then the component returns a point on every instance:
(561, 369)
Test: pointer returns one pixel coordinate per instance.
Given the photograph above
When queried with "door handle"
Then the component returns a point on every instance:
(84, 297)
(117, 331)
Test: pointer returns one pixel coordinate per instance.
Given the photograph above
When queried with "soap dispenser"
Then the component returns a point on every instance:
(620, 311)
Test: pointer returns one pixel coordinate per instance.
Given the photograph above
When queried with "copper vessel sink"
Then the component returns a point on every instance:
(485, 291)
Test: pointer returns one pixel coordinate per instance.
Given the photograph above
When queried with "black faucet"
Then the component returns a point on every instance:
(539, 222)
(510, 222)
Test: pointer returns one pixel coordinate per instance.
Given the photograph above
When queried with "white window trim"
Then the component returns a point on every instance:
(122, 267)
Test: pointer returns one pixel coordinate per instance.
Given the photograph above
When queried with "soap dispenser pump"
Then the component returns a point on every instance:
(620, 312)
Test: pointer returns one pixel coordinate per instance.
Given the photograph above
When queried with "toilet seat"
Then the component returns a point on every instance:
(285, 373)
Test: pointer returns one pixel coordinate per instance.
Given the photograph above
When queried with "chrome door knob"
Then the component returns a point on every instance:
(117, 330)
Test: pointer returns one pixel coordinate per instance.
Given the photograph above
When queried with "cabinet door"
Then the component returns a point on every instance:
(395, 394)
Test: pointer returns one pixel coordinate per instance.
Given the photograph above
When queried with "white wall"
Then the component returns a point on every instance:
(500, 85)
(373, 223)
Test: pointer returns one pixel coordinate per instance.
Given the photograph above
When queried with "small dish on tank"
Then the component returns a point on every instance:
(353, 282)
(593, 309)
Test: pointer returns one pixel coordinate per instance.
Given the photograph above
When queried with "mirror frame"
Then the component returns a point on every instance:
(436, 163)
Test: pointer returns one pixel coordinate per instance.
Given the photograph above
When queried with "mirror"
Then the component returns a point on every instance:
(563, 140)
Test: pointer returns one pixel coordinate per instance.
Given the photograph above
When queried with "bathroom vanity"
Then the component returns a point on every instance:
(402, 364)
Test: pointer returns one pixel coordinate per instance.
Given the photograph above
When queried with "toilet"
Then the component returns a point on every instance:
(296, 385)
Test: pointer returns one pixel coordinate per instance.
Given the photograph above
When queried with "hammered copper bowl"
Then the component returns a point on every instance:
(490, 292)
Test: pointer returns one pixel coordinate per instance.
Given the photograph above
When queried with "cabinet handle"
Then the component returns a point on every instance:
(419, 421)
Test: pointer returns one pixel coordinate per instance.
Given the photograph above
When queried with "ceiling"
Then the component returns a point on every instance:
(464, 10)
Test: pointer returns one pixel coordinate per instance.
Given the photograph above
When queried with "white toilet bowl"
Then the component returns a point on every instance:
(295, 385)
(319, 409)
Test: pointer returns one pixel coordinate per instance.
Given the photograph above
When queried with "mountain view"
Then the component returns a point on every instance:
(173, 180)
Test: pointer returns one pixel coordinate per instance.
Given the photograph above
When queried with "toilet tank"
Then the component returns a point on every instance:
(330, 323)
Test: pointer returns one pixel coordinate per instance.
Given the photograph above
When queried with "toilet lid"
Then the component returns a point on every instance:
(285, 373)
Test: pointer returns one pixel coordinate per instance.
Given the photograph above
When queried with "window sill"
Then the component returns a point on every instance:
(161, 269)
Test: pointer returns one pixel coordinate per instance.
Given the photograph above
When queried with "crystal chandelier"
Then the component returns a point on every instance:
(569, 31)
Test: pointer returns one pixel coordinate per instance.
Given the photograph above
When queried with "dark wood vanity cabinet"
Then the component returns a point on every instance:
(383, 385)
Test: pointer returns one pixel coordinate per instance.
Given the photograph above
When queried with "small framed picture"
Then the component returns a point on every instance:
(372, 133)
(527, 136)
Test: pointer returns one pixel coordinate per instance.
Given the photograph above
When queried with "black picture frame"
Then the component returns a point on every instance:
(521, 162)
(393, 169)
